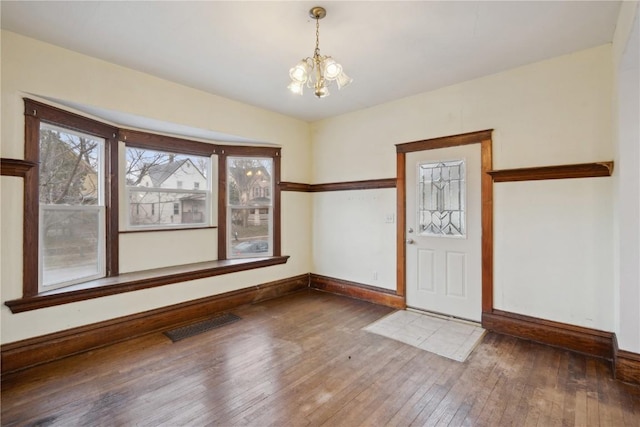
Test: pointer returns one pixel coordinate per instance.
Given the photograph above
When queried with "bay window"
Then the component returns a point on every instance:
(72, 206)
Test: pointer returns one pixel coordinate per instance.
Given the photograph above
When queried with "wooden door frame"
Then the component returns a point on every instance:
(484, 139)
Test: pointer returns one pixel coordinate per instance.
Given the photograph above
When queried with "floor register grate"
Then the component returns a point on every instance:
(200, 327)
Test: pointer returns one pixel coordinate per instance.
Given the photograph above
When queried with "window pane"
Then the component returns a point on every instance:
(167, 189)
(251, 231)
(70, 167)
(249, 189)
(156, 169)
(167, 208)
(441, 198)
(71, 181)
(249, 181)
(71, 246)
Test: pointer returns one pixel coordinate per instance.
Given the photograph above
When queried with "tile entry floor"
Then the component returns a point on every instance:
(446, 337)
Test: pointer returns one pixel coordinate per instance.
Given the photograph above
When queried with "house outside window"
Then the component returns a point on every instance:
(156, 179)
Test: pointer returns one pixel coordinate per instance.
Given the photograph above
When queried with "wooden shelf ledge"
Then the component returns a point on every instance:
(129, 282)
(16, 167)
(582, 170)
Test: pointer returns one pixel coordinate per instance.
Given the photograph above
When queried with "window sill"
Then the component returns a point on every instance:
(149, 230)
(135, 281)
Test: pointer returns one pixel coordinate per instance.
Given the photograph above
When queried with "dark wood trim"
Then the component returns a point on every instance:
(224, 153)
(295, 186)
(486, 152)
(154, 230)
(152, 141)
(35, 113)
(31, 209)
(135, 281)
(356, 290)
(35, 351)
(16, 167)
(444, 141)
(277, 229)
(401, 227)
(627, 367)
(222, 206)
(250, 151)
(582, 170)
(570, 337)
(112, 244)
(370, 184)
(57, 116)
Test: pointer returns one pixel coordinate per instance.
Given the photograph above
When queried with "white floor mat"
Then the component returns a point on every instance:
(445, 337)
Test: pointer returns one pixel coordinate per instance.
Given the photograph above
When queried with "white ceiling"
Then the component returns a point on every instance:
(243, 50)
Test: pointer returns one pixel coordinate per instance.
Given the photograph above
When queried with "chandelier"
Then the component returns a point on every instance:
(318, 71)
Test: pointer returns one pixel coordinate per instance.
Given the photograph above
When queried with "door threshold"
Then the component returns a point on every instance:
(443, 316)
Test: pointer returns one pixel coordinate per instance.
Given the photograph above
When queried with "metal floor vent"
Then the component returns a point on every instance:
(200, 327)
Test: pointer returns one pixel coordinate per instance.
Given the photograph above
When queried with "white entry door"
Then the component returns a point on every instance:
(444, 231)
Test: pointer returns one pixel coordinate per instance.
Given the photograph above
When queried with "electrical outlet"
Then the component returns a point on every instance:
(375, 275)
(390, 218)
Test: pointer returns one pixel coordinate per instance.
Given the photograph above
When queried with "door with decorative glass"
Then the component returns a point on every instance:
(444, 235)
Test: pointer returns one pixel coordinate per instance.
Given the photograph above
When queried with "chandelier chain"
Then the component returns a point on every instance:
(317, 51)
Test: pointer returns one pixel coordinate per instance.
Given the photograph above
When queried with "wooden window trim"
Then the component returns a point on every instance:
(36, 112)
(135, 281)
(160, 230)
(150, 141)
(244, 151)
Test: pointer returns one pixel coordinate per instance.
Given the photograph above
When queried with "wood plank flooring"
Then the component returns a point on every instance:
(304, 360)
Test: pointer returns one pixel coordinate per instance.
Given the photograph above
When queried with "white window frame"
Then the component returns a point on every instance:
(100, 207)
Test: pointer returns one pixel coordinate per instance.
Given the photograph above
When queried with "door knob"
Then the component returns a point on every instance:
(410, 230)
(410, 241)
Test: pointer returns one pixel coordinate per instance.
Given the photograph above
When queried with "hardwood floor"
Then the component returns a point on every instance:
(304, 359)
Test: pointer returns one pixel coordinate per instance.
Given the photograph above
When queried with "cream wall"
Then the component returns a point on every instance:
(552, 112)
(626, 62)
(33, 67)
(352, 232)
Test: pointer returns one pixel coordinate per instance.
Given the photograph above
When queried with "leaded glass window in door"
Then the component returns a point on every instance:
(441, 198)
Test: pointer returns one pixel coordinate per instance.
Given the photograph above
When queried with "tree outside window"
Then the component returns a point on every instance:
(71, 207)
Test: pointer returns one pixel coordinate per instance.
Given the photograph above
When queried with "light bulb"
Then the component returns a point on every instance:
(343, 80)
(300, 73)
(331, 68)
(296, 87)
